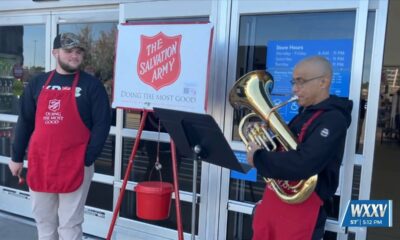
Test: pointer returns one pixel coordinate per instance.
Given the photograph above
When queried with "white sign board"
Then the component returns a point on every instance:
(162, 65)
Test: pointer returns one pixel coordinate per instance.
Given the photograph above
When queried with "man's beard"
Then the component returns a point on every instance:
(67, 68)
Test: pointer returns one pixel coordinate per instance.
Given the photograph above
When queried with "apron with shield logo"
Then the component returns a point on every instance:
(278, 220)
(58, 144)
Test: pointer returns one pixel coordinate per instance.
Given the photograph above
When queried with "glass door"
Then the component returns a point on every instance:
(254, 29)
(97, 29)
(24, 52)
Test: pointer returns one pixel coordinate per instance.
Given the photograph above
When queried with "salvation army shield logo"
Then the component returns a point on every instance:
(54, 105)
(159, 62)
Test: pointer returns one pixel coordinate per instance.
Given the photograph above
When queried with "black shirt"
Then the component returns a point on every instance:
(93, 106)
(320, 152)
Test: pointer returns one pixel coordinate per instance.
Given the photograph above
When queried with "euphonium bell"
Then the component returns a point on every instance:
(253, 91)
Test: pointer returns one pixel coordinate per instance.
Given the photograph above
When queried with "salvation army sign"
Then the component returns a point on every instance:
(162, 65)
(159, 62)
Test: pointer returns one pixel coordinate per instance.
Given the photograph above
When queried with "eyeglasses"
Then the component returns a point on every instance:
(299, 82)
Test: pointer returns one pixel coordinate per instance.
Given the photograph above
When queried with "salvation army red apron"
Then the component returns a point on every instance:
(277, 220)
(58, 144)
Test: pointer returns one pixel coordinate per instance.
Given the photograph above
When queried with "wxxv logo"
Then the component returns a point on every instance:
(368, 213)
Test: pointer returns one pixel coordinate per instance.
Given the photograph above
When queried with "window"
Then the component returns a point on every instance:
(22, 56)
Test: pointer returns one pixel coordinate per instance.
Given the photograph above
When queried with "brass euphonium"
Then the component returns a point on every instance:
(253, 91)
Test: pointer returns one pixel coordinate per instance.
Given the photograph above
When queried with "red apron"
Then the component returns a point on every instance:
(277, 220)
(58, 144)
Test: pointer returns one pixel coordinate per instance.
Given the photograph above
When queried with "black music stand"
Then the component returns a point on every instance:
(199, 136)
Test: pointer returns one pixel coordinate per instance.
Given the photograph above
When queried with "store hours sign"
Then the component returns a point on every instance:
(162, 65)
(283, 55)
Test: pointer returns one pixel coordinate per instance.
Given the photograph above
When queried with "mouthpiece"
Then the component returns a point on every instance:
(294, 98)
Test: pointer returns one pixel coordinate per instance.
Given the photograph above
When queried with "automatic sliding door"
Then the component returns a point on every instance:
(22, 55)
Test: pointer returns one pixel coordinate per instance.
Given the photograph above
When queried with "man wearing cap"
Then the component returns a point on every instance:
(65, 117)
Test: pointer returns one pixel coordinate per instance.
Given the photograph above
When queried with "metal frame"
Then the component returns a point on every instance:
(373, 103)
(355, 86)
(212, 176)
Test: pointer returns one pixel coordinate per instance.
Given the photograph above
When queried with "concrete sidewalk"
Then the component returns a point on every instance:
(16, 228)
(13, 227)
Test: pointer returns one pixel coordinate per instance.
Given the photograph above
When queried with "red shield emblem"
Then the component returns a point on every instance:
(54, 105)
(159, 62)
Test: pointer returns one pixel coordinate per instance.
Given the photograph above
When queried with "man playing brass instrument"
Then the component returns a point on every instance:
(320, 127)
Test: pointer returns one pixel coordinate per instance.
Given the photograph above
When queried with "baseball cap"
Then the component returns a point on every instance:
(67, 41)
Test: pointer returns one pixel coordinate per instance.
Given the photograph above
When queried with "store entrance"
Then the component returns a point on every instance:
(387, 143)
